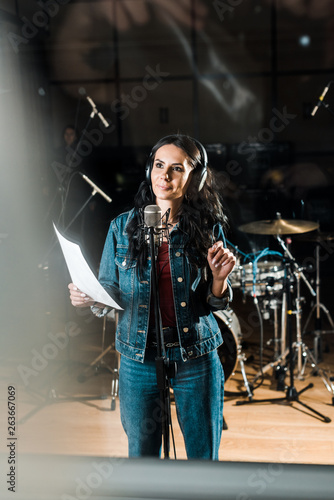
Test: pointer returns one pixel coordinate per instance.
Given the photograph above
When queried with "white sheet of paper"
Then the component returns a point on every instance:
(81, 274)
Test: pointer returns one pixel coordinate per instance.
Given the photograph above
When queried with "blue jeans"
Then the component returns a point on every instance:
(199, 394)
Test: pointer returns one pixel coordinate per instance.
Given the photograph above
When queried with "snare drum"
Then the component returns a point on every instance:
(230, 328)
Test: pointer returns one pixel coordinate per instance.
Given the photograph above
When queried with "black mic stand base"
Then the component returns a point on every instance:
(292, 395)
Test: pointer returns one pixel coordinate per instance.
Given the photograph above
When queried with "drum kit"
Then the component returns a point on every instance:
(273, 280)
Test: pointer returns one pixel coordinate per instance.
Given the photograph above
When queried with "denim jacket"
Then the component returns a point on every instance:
(198, 330)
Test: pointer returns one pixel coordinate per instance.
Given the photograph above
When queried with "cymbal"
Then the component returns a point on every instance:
(279, 226)
(317, 237)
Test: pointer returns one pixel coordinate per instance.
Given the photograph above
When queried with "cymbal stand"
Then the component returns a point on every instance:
(273, 304)
(299, 343)
(282, 341)
(303, 352)
(298, 273)
(276, 339)
(318, 307)
(292, 395)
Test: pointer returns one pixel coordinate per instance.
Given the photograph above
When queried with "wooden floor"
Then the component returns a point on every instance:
(58, 414)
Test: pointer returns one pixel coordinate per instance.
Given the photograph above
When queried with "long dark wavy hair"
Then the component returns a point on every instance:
(199, 212)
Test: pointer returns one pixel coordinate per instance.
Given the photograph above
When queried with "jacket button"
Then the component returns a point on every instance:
(183, 304)
(180, 279)
(186, 330)
(190, 353)
(177, 254)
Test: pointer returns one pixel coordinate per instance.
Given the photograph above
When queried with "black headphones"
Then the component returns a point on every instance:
(201, 168)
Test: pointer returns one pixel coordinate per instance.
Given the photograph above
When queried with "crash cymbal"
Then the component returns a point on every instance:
(279, 226)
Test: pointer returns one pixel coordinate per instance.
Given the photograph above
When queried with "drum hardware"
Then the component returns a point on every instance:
(292, 271)
(274, 305)
(230, 352)
(276, 227)
(263, 279)
(265, 282)
(318, 306)
(280, 374)
(280, 369)
(303, 353)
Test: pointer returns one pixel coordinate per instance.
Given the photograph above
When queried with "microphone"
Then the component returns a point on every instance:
(153, 218)
(321, 98)
(97, 112)
(96, 189)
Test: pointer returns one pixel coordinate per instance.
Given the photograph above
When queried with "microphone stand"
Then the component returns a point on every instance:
(64, 190)
(93, 113)
(164, 369)
(44, 264)
(95, 190)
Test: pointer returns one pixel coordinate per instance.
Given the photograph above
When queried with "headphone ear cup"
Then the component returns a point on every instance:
(148, 170)
(204, 164)
(202, 179)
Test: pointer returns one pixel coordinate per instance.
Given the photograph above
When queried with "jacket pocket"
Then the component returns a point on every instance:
(126, 273)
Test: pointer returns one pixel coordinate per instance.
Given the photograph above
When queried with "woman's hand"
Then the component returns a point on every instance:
(221, 261)
(78, 298)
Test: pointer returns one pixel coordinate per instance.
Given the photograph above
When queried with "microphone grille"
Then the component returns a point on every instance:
(152, 216)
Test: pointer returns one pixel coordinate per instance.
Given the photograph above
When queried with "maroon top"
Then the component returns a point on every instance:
(165, 289)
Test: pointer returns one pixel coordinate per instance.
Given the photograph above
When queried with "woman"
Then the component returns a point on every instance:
(193, 266)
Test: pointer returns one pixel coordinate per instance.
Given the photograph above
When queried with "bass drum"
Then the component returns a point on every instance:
(230, 328)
